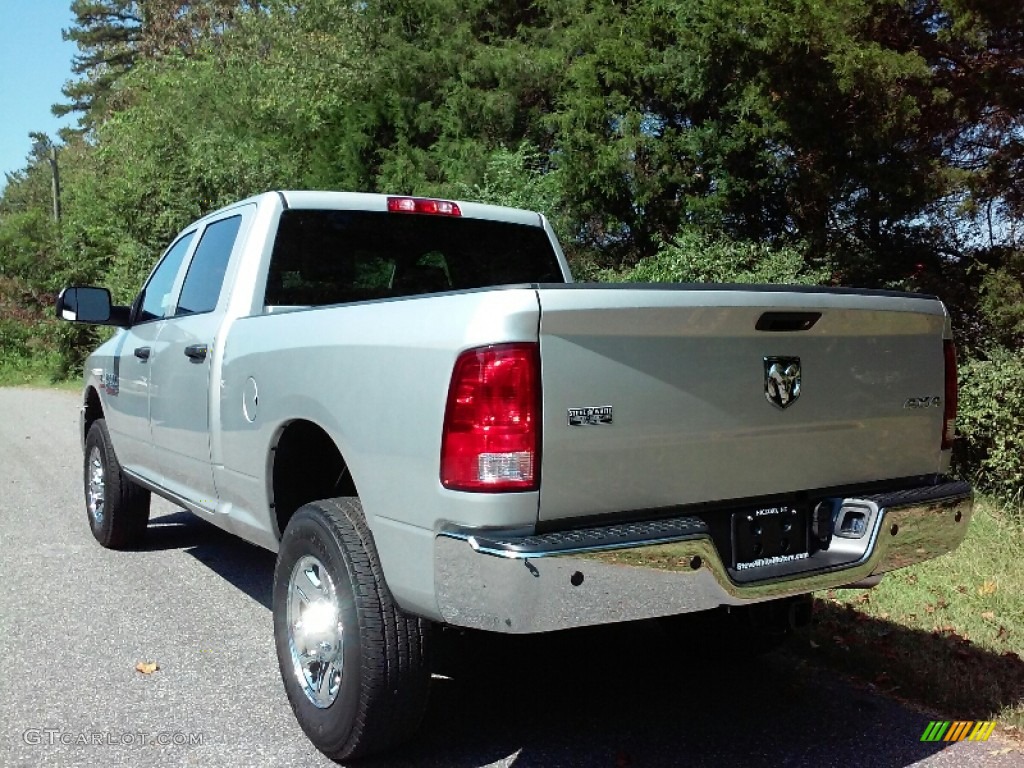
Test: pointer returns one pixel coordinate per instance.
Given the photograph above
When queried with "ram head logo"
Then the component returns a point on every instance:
(782, 380)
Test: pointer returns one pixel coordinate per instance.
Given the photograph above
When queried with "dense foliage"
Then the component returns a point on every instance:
(991, 421)
(867, 142)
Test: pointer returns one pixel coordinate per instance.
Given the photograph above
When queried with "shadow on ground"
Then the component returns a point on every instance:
(246, 566)
(627, 696)
(940, 669)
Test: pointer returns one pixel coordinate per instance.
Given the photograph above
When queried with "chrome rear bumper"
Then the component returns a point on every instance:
(664, 567)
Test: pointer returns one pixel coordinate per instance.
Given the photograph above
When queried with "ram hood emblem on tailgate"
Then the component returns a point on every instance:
(782, 380)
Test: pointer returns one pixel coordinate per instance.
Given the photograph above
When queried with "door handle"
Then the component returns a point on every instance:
(196, 352)
(142, 353)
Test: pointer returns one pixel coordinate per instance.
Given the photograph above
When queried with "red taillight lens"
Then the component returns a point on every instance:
(949, 413)
(423, 205)
(491, 436)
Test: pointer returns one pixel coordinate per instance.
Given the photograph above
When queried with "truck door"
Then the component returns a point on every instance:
(128, 385)
(183, 367)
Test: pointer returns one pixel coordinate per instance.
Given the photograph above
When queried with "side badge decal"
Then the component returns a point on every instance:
(590, 415)
(111, 384)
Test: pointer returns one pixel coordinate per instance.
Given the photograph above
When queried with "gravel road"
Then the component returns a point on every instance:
(75, 619)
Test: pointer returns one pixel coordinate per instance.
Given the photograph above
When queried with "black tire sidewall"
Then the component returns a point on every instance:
(331, 727)
(97, 438)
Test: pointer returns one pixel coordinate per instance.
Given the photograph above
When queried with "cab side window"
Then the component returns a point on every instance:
(157, 298)
(206, 272)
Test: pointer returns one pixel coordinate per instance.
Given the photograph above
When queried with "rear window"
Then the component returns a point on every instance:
(332, 257)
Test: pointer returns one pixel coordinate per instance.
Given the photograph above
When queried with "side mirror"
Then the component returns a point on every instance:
(85, 304)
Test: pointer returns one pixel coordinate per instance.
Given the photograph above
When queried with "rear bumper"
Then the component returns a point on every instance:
(615, 573)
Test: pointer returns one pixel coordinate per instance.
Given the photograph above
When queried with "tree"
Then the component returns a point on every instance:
(115, 35)
(766, 119)
(107, 34)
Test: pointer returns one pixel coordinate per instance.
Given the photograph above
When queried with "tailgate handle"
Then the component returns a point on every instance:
(787, 321)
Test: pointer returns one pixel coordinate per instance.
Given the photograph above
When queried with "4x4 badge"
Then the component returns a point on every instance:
(782, 380)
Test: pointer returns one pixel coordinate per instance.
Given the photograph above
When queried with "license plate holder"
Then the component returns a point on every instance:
(769, 535)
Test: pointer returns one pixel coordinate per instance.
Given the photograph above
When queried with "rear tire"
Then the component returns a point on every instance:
(355, 667)
(117, 508)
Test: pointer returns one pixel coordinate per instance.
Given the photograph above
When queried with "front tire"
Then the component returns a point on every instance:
(354, 666)
(117, 508)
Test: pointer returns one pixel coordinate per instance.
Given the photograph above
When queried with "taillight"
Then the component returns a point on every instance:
(949, 413)
(491, 435)
(423, 205)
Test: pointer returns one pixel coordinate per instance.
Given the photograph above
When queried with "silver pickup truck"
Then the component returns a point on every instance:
(411, 402)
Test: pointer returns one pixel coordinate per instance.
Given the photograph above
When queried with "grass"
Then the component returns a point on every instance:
(947, 634)
(20, 379)
(22, 372)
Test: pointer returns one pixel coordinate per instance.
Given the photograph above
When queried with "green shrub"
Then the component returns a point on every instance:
(27, 353)
(695, 256)
(991, 421)
(1001, 298)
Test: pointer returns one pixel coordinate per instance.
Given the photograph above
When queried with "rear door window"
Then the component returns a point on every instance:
(205, 276)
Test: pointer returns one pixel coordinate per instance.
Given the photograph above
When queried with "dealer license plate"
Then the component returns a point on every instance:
(769, 535)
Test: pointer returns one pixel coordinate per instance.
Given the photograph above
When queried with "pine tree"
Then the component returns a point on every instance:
(107, 34)
(114, 35)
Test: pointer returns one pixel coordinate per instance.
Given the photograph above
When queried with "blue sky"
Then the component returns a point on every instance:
(34, 64)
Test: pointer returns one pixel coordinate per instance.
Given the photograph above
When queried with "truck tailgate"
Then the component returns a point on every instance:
(660, 395)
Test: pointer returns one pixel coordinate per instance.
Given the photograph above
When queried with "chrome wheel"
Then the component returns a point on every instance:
(355, 667)
(95, 492)
(316, 635)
